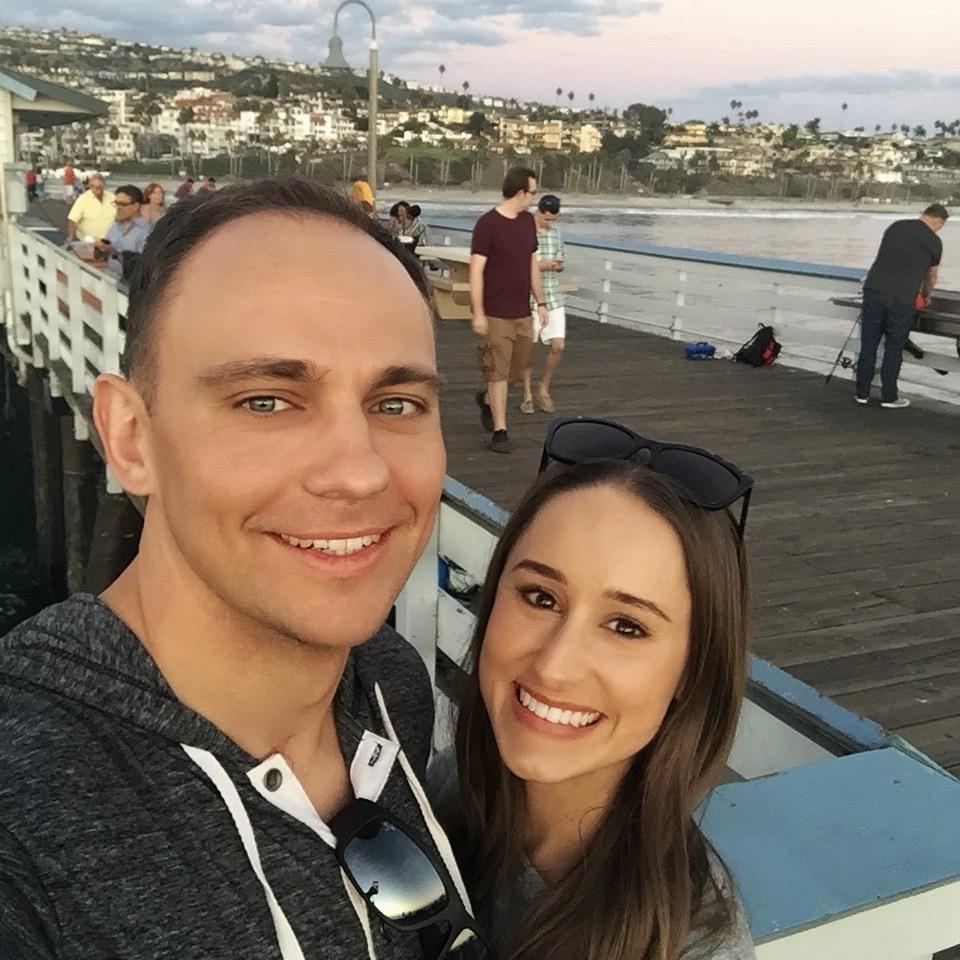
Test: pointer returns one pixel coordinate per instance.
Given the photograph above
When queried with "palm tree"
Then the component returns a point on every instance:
(893, 128)
(919, 131)
(843, 107)
(591, 97)
(443, 69)
(876, 129)
(559, 93)
(184, 117)
(466, 87)
(570, 96)
(230, 136)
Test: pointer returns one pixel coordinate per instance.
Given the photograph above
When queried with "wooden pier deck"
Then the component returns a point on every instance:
(854, 527)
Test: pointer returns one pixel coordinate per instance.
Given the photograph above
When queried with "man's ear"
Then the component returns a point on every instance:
(122, 421)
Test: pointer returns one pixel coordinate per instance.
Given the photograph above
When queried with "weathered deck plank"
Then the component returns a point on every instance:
(854, 530)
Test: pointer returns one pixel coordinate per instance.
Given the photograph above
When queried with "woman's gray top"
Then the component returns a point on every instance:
(513, 900)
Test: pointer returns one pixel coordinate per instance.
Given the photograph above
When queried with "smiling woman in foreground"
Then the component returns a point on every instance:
(608, 667)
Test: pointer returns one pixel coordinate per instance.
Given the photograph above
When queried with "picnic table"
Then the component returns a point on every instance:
(451, 280)
(940, 318)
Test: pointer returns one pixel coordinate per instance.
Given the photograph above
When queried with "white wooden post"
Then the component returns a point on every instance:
(775, 314)
(110, 326)
(19, 285)
(75, 325)
(676, 327)
(48, 301)
(604, 305)
(416, 607)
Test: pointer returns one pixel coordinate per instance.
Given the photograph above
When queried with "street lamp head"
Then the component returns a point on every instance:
(335, 59)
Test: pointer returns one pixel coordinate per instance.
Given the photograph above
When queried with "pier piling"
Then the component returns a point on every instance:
(82, 475)
(47, 489)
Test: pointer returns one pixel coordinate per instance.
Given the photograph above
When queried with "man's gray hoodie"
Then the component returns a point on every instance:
(114, 845)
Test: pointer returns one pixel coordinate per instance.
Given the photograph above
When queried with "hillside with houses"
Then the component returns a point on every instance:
(173, 109)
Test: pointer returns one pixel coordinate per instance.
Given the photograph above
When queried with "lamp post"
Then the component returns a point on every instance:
(336, 61)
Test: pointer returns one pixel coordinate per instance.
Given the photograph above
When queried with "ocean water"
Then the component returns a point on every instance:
(846, 238)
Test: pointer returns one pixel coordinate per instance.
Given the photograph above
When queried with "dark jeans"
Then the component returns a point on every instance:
(890, 321)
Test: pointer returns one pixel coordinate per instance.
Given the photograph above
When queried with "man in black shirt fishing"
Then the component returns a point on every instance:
(906, 265)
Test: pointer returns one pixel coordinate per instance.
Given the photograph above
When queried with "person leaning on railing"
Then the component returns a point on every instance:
(414, 228)
(92, 213)
(127, 236)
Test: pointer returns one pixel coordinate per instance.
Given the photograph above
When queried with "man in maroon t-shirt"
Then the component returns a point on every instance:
(503, 273)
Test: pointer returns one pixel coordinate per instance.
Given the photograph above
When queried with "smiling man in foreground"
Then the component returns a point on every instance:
(172, 751)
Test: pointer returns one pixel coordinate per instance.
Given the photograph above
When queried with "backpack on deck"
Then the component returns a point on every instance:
(761, 349)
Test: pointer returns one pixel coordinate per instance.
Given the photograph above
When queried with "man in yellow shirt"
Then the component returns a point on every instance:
(92, 213)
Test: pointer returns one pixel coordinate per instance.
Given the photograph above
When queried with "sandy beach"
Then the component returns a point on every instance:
(390, 193)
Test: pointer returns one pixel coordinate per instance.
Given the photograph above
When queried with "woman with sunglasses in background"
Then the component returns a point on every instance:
(607, 672)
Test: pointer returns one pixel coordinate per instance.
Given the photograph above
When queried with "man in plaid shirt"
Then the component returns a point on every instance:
(553, 334)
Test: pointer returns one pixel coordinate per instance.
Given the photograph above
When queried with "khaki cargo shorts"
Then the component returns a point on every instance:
(506, 349)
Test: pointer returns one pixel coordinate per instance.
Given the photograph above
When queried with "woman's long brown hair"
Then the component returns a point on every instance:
(150, 188)
(643, 879)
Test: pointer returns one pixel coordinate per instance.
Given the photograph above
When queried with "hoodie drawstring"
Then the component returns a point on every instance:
(208, 763)
(286, 939)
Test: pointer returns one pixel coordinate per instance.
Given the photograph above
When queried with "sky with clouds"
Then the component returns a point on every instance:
(884, 58)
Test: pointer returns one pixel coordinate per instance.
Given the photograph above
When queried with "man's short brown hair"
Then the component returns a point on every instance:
(937, 211)
(517, 179)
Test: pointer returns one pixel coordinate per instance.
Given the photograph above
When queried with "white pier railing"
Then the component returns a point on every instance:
(844, 841)
(690, 295)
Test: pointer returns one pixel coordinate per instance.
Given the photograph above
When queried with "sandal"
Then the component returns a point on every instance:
(546, 402)
(526, 406)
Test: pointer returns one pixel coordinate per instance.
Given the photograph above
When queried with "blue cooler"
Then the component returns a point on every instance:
(699, 351)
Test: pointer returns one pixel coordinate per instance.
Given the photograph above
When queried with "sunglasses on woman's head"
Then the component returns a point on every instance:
(704, 478)
(404, 883)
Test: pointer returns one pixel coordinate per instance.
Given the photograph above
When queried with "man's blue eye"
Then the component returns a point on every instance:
(263, 404)
(394, 406)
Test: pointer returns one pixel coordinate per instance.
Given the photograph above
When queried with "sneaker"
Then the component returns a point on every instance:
(486, 414)
(500, 441)
(898, 404)
(862, 399)
(526, 406)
